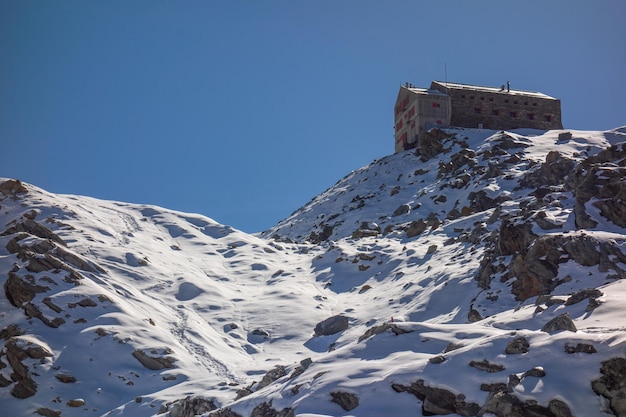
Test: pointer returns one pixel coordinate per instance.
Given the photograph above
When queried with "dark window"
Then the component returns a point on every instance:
(477, 110)
(490, 98)
(525, 103)
(472, 97)
(482, 98)
(515, 102)
(506, 101)
(462, 95)
(513, 114)
(436, 105)
(535, 104)
(531, 116)
(548, 117)
(495, 112)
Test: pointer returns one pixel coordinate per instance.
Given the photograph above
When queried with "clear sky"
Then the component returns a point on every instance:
(245, 110)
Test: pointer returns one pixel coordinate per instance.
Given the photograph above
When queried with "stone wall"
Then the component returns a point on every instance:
(503, 110)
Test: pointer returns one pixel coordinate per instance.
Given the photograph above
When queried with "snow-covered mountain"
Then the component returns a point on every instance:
(480, 274)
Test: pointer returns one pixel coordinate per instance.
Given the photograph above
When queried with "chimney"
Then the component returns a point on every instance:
(508, 86)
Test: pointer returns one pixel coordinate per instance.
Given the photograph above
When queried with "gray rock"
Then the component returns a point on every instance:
(331, 325)
(518, 346)
(191, 407)
(154, 363)
(345, 400)
(561, 322)
(612, 384)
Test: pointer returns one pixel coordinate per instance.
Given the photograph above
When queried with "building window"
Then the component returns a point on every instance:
(514, 101)
(436, 104)
(472, 97)
(548, 117)
(482, 98)
(477, 110)
(525, 103)
(495, 112)
(535, 104)
(513, 114)
(462, 95)
(439, 122)
(531, 116)
(490, 98)
(506, 100)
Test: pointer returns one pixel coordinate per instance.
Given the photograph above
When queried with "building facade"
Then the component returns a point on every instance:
(473, 107)
(416, 111)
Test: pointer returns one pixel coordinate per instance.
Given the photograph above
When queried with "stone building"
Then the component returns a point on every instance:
(463, 105)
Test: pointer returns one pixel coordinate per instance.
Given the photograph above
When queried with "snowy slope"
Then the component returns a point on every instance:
(438, 260)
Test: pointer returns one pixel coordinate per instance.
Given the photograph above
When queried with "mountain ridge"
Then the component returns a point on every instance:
(470, 276)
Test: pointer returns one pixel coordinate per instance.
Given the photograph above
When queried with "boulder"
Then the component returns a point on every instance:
(154, 363)
(331, 325)
(191, 407)
(612, 384)
(519, 345)
(346, 400)
(561, 322)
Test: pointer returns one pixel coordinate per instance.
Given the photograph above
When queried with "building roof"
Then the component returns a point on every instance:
(418, 90)
(478, 88)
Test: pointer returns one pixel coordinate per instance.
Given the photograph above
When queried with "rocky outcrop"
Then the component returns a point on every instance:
(154, 363)
(191, 407)
(560, 322)
(331, 325)
(383, 328)
(438, 401)
(612, 384)
(346, 400)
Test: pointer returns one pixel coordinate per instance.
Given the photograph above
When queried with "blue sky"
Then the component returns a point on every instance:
(245, 110)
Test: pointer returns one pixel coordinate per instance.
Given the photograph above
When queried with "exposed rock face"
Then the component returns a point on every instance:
(154, 363)
(12, 188)
(346, 400)
(612, 384)
(271, 376)
(383, 328)
(265, 410)
(504, 404)
(518, 346)
(438, 401)
(561, 322)
(191, 407)
(331, 325)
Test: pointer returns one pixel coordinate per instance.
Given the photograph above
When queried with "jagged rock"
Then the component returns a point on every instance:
(430, 144)
(25, 386)
(271, 376)
(487, 366)
(504, 404)
(34, 228)
(191, 407)
(403, 209)
(24, 389)
(582, 295)
(537, 372)
(612, 384)
(438, 401)
(323, 235)
(474, 315)
(47, 412)
(265, 409)
(552, 172)
(416, 228)
(331, 325)
(374, 330)
(517, 346)
(479, 201)
(154, 363)
(437, 359)
(346, 400)
(223, 412)
(21, 290)
(514, 238)
(431, 249)
(561, 322)
(12, 188)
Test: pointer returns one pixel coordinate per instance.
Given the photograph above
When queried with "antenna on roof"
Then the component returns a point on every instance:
(445, 68)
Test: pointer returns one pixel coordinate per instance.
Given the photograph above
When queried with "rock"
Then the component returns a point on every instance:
(34, 228)
(223, 412)
(474, 315)
(612, 384)
(437, 359)
(514, 238)
(345, 400)
(403, 209)
(77, 402)
(331, 325)
(536, 372)
(416, 228)
(561, 322)
(12, 188)
(580, 348)
(431, 249)
(519, 345)
(65, 378)
(153, 363)
(486, 366)
(271, 376)
(438, 401)
(25, 388)
(504, 404)
(383, 328)
(191, 407)
(46, 412)
(581, 295)
(21, 290)
(265, 410)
